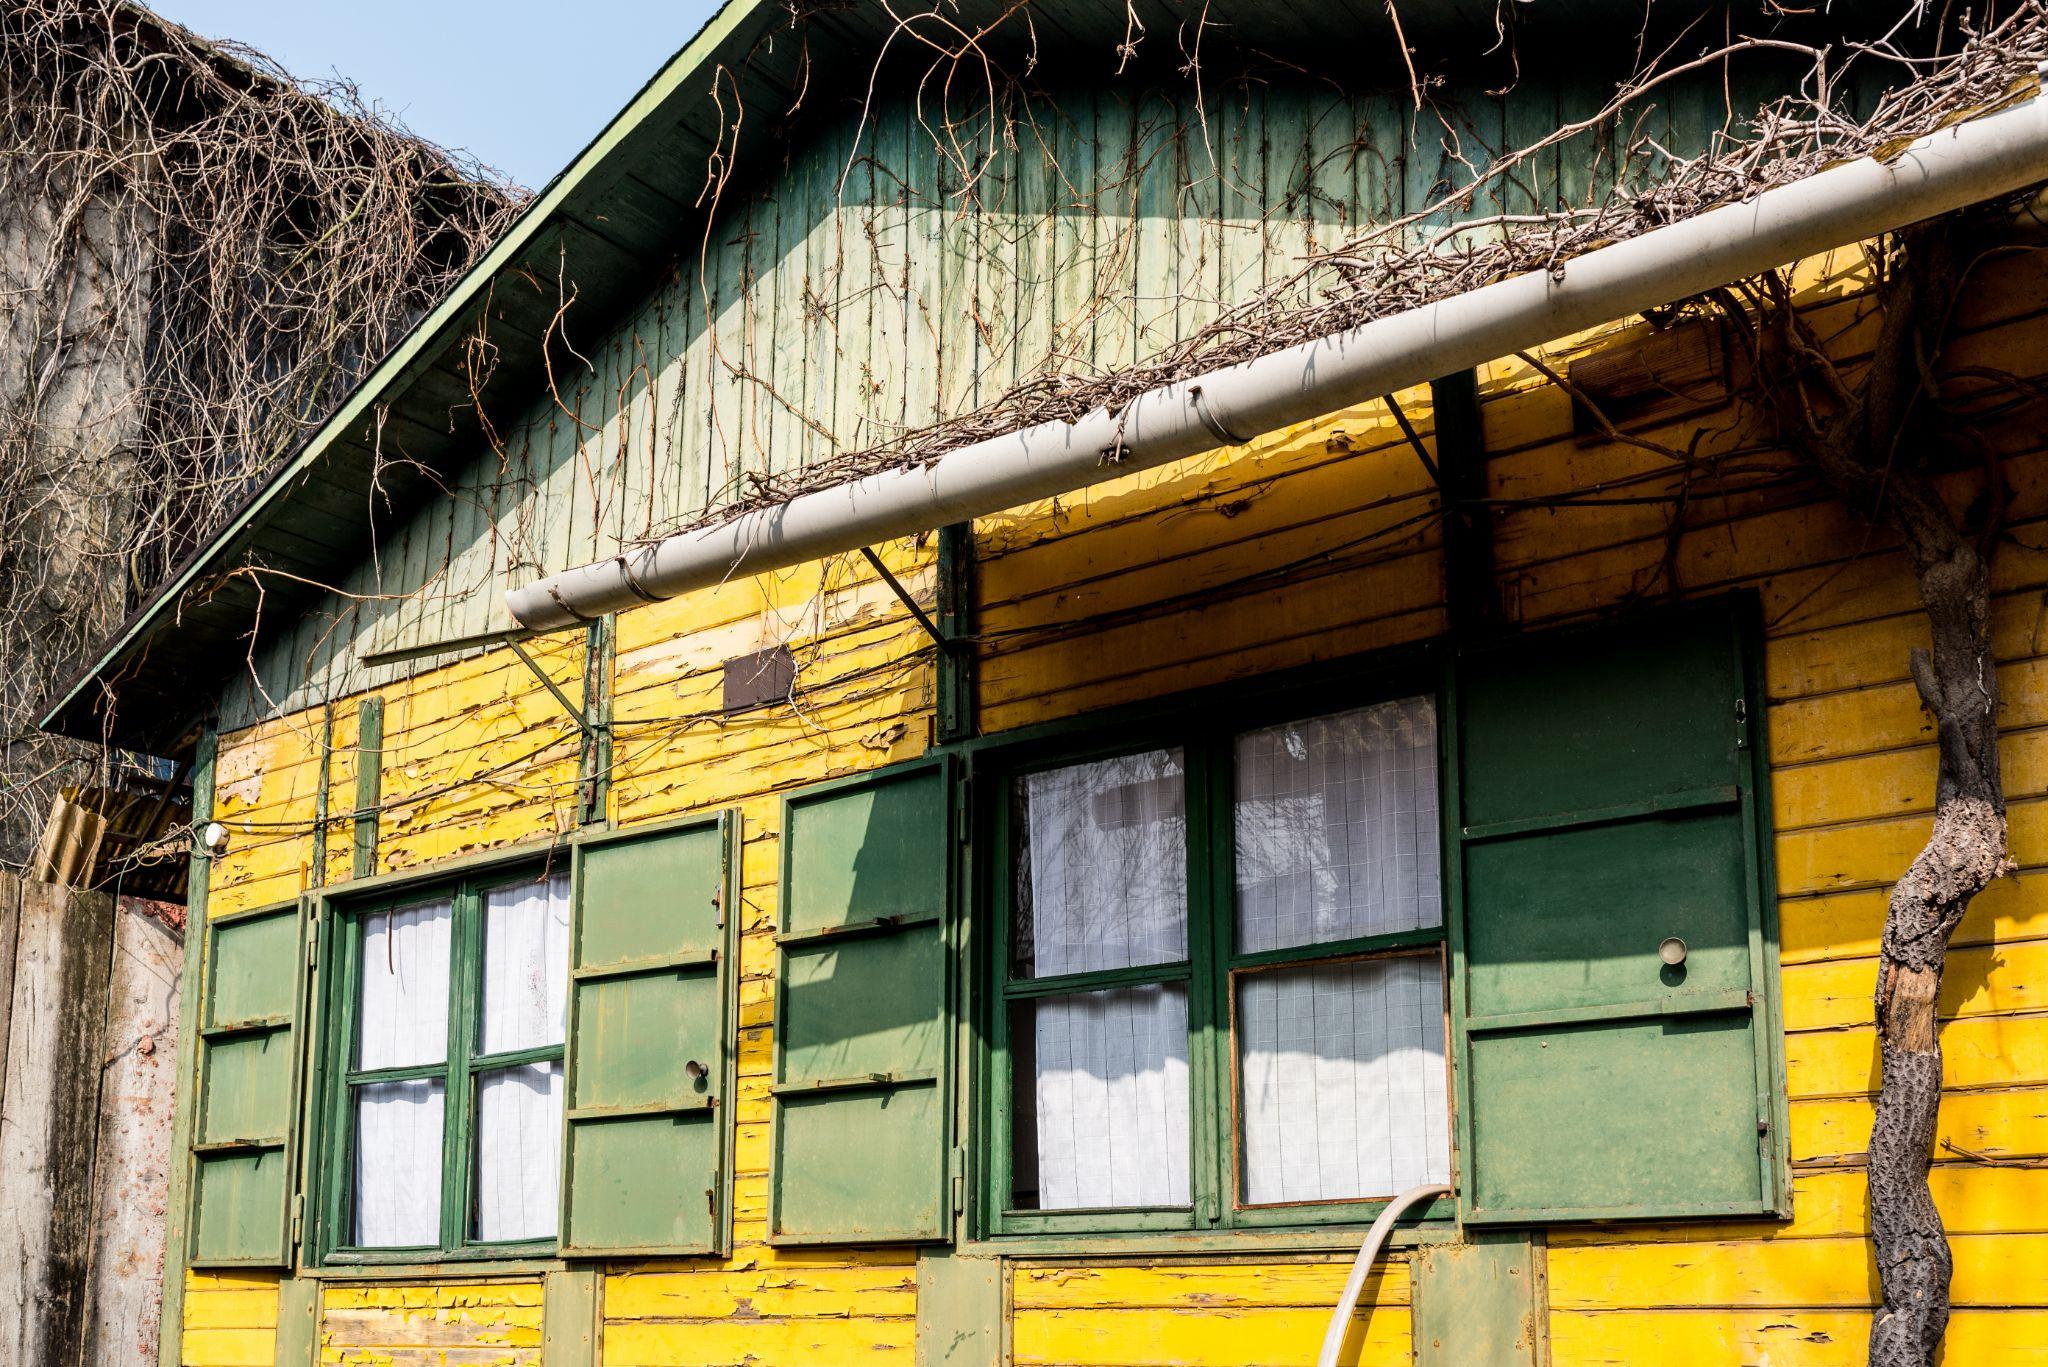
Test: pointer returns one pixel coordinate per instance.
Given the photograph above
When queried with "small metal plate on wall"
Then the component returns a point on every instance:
(756, 680)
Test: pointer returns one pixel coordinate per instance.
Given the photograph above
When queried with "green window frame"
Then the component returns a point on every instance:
(1205, 732)
(345, 923)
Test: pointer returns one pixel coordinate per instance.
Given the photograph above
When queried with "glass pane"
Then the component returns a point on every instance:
(404, 1002)
(526, 964)
(518, 1152)
(1337, 827)
(1344, 1083)
(398, 1164)
(1102, 870)
(1100, 1110)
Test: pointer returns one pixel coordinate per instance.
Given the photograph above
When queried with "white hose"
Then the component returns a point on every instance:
(1368, 1253)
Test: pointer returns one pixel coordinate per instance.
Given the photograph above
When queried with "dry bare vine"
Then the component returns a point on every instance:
(198, 257)
(1877, 437)
(1442, 248)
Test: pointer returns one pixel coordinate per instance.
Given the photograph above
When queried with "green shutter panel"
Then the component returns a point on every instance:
(243, 1140)
(1607, 797)
(860, 1090)
(648, 1086)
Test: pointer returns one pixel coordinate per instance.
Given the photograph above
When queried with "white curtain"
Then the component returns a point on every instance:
(404, 1001)
(526, 964)
(398, 1164)
(519, 1152)
(1336, 823)
(1103, 882)
(1112, 1099)
(1344, 1082)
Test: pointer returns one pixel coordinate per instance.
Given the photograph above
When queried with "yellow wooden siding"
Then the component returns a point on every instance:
(230, 1319)
(1202, 1314)
(1166, 580)
(487, 1324)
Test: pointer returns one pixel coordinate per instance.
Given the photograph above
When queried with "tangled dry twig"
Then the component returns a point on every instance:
(1441, 249)
(198, 257)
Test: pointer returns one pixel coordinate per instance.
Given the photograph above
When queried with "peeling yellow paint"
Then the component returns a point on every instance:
(1160, 581)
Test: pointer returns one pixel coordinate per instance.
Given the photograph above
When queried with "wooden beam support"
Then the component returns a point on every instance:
(599, 647)
(956, 683)
(1470, 591)
(369, 783)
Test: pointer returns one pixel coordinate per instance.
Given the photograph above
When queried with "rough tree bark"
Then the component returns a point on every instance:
(1874, 444)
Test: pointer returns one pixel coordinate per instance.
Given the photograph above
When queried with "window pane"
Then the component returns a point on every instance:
(1337, 827)
(404, 1001)
(1101, 1099)
(526, 964)
(398, 1164)
(518, 1152)
(1101, 877)
(1343, 1077)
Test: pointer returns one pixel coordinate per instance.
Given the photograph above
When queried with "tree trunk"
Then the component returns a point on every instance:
(1958, 685)
(1873, 443)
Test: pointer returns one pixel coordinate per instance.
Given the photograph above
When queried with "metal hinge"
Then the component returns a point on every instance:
(963, 811)
(959, 1179)
(1742, 723)
(298, 1217)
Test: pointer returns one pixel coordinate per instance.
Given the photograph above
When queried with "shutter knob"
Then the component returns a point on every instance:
(1672, 951)
(696, 1070)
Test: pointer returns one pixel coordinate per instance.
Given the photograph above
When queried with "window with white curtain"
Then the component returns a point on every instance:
(1343, 1090)
(457, 1007)
(1223, 977)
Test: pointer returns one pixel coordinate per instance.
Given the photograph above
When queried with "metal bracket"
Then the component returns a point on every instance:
(576, 714)
(1415, 440)
(931, 628)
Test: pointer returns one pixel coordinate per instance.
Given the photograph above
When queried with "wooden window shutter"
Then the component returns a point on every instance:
(244, 1149)
(1608, 785)
(862, 989)
(648, 1086)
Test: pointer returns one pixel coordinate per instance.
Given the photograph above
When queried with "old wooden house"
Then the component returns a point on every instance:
(820, 768)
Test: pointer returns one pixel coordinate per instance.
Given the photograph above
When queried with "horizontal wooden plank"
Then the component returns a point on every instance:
(1981, 1051)
(1990, 1270)
(1780, 1338)
(1202, 1286)
(2010, 1122)
(1203, 1338)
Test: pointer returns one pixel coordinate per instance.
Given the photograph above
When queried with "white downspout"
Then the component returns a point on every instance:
(1354, 1285)
(1950, 169)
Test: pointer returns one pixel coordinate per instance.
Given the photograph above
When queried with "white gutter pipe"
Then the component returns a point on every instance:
(1354, 1285)
(1950, 169)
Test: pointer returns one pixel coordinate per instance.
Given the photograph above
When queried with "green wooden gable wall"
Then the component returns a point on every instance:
(865, 287)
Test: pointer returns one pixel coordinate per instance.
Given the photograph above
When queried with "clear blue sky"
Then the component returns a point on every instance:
(520, 84)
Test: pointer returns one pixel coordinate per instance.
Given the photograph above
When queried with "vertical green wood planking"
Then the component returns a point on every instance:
(1480, 1302)
(959, 1310)
(170, 1345)
(569, 1318)
(298, 1323)
(369, 783)
(1117, 223)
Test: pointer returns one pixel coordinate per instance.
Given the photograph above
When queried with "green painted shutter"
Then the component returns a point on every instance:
(1607, 798)
(860, 1089)
(243, 1150)
(648, 1084)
